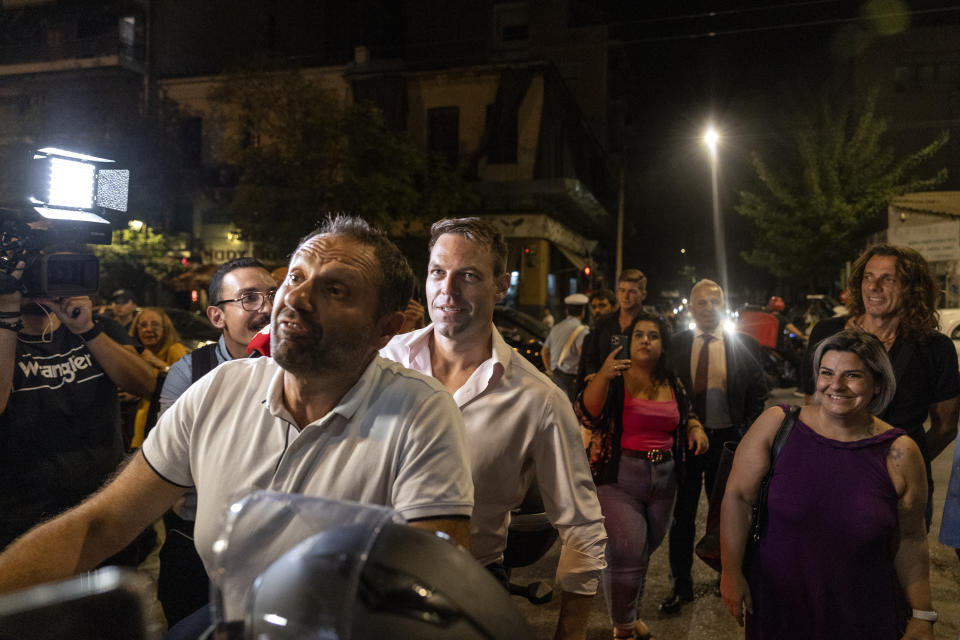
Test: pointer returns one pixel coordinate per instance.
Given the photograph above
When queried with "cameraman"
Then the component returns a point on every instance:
(59, 422)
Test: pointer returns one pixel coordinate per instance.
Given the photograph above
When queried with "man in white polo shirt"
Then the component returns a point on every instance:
(325, 416)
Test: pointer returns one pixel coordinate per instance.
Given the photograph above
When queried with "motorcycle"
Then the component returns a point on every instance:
(289, 566)
(780, 359)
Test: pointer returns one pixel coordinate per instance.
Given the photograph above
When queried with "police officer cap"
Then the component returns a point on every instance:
(122, 295)
(576, 298)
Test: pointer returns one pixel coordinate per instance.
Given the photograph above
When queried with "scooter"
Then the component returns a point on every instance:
(288, 566)
(780, 369)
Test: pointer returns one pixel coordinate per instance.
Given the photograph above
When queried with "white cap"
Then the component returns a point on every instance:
(576, 298)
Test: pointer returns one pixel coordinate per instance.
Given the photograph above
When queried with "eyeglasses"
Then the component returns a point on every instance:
(252, 300)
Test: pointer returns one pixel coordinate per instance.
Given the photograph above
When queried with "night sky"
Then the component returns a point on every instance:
(764, 56)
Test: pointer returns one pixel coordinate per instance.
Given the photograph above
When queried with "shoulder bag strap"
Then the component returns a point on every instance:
(789, 420)
(566, 348)
(759, 515)
(202, 361)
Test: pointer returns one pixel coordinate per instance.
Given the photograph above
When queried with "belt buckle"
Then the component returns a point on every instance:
(655, 456)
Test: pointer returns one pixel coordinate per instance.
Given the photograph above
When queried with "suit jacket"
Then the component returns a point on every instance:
(746, 385)
(596, 346)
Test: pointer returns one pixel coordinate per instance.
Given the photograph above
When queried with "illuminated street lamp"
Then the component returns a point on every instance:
(711, 138)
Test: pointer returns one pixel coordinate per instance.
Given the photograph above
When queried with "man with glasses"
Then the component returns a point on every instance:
(241, 299)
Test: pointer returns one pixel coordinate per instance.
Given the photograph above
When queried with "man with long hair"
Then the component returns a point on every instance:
(893, 295)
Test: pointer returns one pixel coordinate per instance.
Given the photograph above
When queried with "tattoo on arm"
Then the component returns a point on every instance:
(896, 453)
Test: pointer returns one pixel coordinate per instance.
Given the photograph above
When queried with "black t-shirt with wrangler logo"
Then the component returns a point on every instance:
(60, 433)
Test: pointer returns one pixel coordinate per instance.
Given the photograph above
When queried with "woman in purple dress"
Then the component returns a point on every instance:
(844, 553)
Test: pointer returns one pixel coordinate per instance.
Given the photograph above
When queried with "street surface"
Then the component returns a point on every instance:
(706, 618)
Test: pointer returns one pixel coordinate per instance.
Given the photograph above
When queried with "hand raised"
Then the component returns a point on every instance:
(612, 366)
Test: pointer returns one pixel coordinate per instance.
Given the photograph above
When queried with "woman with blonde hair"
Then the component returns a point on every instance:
(162, 347)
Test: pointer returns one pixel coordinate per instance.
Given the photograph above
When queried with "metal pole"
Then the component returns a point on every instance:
(620, 224)
(718, 236)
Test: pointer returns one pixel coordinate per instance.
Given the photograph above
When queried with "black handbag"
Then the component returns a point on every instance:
(708, 548)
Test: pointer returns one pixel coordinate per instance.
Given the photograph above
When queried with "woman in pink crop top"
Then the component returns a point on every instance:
(639, 414)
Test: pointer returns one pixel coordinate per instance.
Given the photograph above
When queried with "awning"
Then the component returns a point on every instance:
(197, 278)
(576, 259)
(543, 226)
(944, 203)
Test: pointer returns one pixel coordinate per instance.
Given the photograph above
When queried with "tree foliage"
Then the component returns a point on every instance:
(300, 152)
(139, 260)
(829, 188)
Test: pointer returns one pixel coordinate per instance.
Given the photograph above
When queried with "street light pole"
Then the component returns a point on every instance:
(620, 224)
(711, 138)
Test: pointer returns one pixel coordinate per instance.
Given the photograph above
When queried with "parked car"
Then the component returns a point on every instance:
(521, 331)
(194, 329)
(950, 326)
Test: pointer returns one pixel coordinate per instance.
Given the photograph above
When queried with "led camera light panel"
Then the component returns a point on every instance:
(71, 184)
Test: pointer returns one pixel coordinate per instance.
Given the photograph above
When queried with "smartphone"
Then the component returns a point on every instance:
(620, 340)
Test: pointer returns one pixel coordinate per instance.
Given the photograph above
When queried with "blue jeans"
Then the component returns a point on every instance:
(637, 511)
(191, 627)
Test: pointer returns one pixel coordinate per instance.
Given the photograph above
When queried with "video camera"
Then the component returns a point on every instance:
(51, 208)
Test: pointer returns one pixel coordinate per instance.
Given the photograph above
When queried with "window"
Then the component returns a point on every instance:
(443, 132)
(128, 31)
(502, 148)
(511, 25)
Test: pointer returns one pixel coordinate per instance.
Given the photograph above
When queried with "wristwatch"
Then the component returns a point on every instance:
(929, 616)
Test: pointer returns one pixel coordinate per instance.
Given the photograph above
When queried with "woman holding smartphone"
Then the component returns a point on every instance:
(640, 416)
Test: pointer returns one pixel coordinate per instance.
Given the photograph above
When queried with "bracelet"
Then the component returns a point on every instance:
(9, 314)
(92, 333)
(929, 616)
(12, 326)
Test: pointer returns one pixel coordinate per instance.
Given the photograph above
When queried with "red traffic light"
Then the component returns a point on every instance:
(586, 271)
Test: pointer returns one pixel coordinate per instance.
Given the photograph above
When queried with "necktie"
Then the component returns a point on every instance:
(700, 379)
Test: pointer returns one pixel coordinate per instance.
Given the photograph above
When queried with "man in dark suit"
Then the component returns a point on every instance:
(726, 384)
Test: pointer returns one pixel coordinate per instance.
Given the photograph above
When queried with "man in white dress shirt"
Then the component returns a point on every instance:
(519, 424)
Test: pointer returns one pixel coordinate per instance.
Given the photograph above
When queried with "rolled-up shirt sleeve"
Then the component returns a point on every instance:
(570, 497)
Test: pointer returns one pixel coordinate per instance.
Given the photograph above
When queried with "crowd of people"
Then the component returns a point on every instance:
(449, 426)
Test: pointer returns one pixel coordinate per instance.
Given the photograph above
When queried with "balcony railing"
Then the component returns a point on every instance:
(72, 49)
